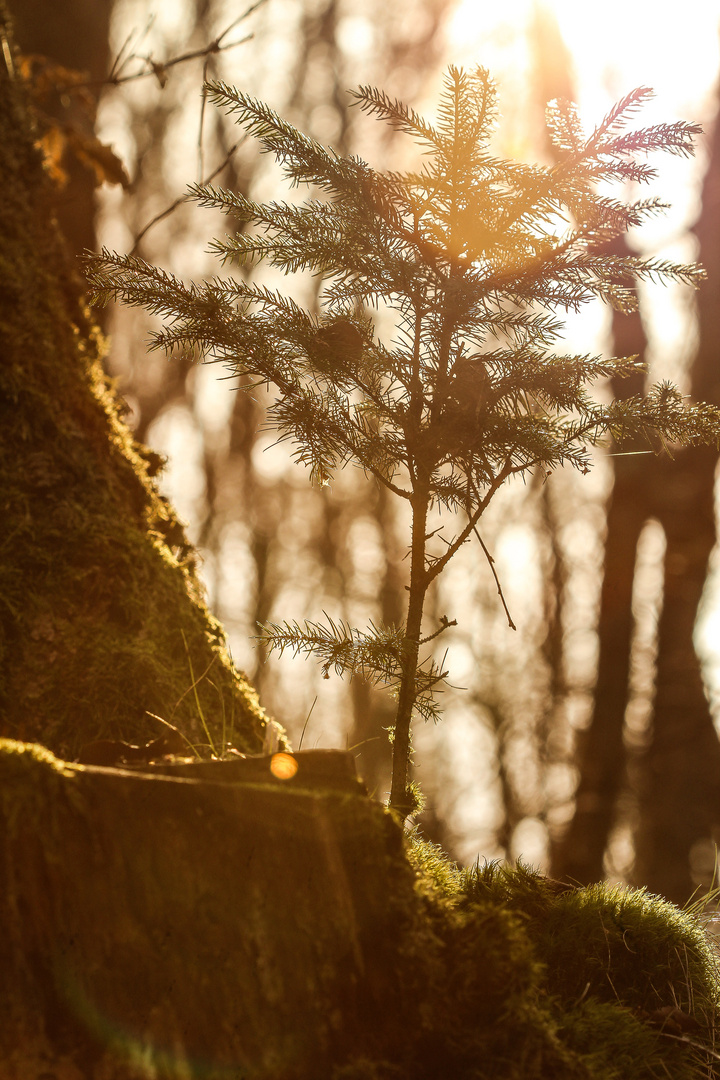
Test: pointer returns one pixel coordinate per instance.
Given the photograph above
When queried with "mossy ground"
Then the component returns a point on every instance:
(492, 973)
(102, 619)
(515, 977)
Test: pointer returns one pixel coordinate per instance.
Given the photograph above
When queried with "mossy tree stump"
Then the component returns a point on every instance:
(156, 926)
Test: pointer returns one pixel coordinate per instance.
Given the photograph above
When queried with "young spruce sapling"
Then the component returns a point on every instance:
(475, 257)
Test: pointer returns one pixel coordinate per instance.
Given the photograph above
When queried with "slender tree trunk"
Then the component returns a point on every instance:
(411, 647)
(373, 710)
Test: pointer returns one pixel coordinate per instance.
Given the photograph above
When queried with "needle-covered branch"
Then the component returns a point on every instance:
(375, 654)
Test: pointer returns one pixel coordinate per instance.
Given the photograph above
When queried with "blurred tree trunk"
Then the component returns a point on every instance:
(679, 779)
(677, 775)
(73, 33)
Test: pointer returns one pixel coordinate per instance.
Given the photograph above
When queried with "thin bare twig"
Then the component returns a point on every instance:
(201, 125)
(186, 197)
(444, 624)
(159, 69)
(474, 516)
(125, 54)
(241, 18)
(491, 563)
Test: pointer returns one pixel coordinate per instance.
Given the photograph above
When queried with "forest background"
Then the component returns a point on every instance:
(586, 740)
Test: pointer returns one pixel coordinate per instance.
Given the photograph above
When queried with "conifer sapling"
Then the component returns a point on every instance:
(476, 258)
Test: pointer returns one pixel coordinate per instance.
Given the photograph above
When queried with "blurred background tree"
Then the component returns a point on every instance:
(586, 741)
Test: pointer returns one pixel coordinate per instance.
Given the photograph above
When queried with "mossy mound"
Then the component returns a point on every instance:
(515, 977)
(658, 954)
(101, 615)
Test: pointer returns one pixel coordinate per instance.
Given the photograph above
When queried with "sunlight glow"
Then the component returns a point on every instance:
(675, 51)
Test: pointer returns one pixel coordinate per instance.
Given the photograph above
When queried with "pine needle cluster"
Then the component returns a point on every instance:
(478, 258)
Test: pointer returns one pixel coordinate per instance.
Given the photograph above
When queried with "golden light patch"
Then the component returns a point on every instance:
(283, 766)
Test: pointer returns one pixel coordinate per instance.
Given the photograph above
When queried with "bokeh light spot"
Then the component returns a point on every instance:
(283, 766)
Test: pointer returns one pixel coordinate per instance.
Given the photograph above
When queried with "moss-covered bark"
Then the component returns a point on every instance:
(177, 929)
(101, 614)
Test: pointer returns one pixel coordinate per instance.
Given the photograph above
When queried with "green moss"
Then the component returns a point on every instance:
(614, 1044)
(637, 948)
(31, 778)
(102, 619)
(515, 977)
(438, 877)
(27, 765)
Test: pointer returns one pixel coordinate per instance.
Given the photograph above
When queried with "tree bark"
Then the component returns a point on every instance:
(101, 614)
(73, 33)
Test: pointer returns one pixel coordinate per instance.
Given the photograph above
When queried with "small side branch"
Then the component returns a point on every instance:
(474, 516)
(444, 624)
(118, 72)
(491, 563)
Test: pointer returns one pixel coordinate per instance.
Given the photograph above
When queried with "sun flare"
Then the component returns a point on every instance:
(630, 44)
